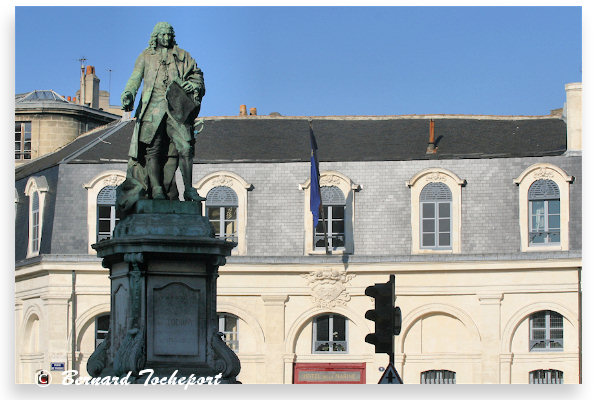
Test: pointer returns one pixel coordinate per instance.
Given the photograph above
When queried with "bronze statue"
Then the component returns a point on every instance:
(163, 136)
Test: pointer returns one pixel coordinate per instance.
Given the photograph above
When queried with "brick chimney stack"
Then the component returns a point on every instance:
(243, 110)
(253, 111)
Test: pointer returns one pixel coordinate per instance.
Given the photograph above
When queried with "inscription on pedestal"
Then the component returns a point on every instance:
(176, 322)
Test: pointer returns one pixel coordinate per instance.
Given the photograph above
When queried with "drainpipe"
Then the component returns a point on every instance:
(73, 316)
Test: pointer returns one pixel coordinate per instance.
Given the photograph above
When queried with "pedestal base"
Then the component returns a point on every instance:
(163, 262)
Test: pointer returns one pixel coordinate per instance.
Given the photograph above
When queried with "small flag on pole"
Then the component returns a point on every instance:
(315, 187)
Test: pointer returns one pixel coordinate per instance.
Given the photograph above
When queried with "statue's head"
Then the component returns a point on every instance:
(159, 28)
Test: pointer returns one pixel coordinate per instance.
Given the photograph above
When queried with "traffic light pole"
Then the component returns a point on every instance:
(393, 281)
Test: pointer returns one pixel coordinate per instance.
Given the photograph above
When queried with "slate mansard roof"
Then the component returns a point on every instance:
(262, 139)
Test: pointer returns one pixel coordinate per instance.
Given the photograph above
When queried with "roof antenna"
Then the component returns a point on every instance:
(109, 81)
(82, 81)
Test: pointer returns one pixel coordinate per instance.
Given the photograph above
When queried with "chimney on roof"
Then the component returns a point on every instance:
(431, 147)
(92, 88)
(243, 110)
(573, 115)
(253, 111)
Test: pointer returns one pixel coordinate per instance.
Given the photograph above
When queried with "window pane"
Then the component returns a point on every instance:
(319, 227)
(428, 239)
(553, 206)
(216, 226)
(230, 212)
(428, 225)
(554, 237)
(337, 212)
(556, 334)
(214, 212)
(27, 156)
(104, 226)
(339, 328)
(556, 320)
(538, 334)
(322, 323)
(104, 211)
(428, 210)
(319, 241)
(337, 227)
(338, 241)
(230, 323)
(554, 222)
(27, 146)
(444, 210)
(444, 239)
(17, 146)
(230, 228)
(103, 322)
(444, 225)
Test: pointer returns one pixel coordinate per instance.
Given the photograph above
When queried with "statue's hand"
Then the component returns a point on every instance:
(127, 101)
(188, 87)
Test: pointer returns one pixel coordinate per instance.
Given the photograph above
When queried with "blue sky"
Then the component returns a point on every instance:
(322, 60)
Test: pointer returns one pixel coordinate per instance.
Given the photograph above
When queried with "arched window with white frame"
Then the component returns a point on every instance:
(435, 203)
(107, 212)
(544, 207)
(330, 334)
(544, 212)
(436, 209)
(226, 206)
(221, 209)
(102, 215)
(36, 189)
(330, 230)
(337, 220)
(545, 377)
(546, 331)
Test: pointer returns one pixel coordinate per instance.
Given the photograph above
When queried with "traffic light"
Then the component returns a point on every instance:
(387, 318)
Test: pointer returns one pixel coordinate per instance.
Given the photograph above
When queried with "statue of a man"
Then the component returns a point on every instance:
(163, 136)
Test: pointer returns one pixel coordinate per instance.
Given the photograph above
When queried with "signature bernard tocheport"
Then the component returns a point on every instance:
(70, 377)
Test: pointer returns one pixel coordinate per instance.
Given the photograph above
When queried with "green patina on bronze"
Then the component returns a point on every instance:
(163, 137)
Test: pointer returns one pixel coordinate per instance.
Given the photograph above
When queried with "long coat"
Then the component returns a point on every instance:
(181, 68)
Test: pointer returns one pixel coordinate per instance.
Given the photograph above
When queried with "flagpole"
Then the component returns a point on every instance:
(316, 185)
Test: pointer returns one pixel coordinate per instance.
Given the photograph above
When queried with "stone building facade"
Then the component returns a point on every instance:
(45, 120)
(483, 236)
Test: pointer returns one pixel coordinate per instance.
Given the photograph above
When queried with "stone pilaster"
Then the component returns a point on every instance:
(275, 337)
(490, 326)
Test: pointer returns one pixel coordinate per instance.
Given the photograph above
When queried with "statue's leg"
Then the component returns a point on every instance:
(185, 148)
(153, 164)
(169, 169)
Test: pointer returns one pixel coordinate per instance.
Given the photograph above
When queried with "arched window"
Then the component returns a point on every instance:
(221, 209)
(36, 189)
(546, 376)
(330, 228)
(330, 334)
(544, 212)
(228, 326)
(102, 325)
(438, 376)
(107, 212)
(35, 223)
(546, 331)
(544, 207)
(435, 203)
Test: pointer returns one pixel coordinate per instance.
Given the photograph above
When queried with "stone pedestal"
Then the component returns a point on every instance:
(164, 260)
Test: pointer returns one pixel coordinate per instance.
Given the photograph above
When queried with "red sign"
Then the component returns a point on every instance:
(329, 373)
